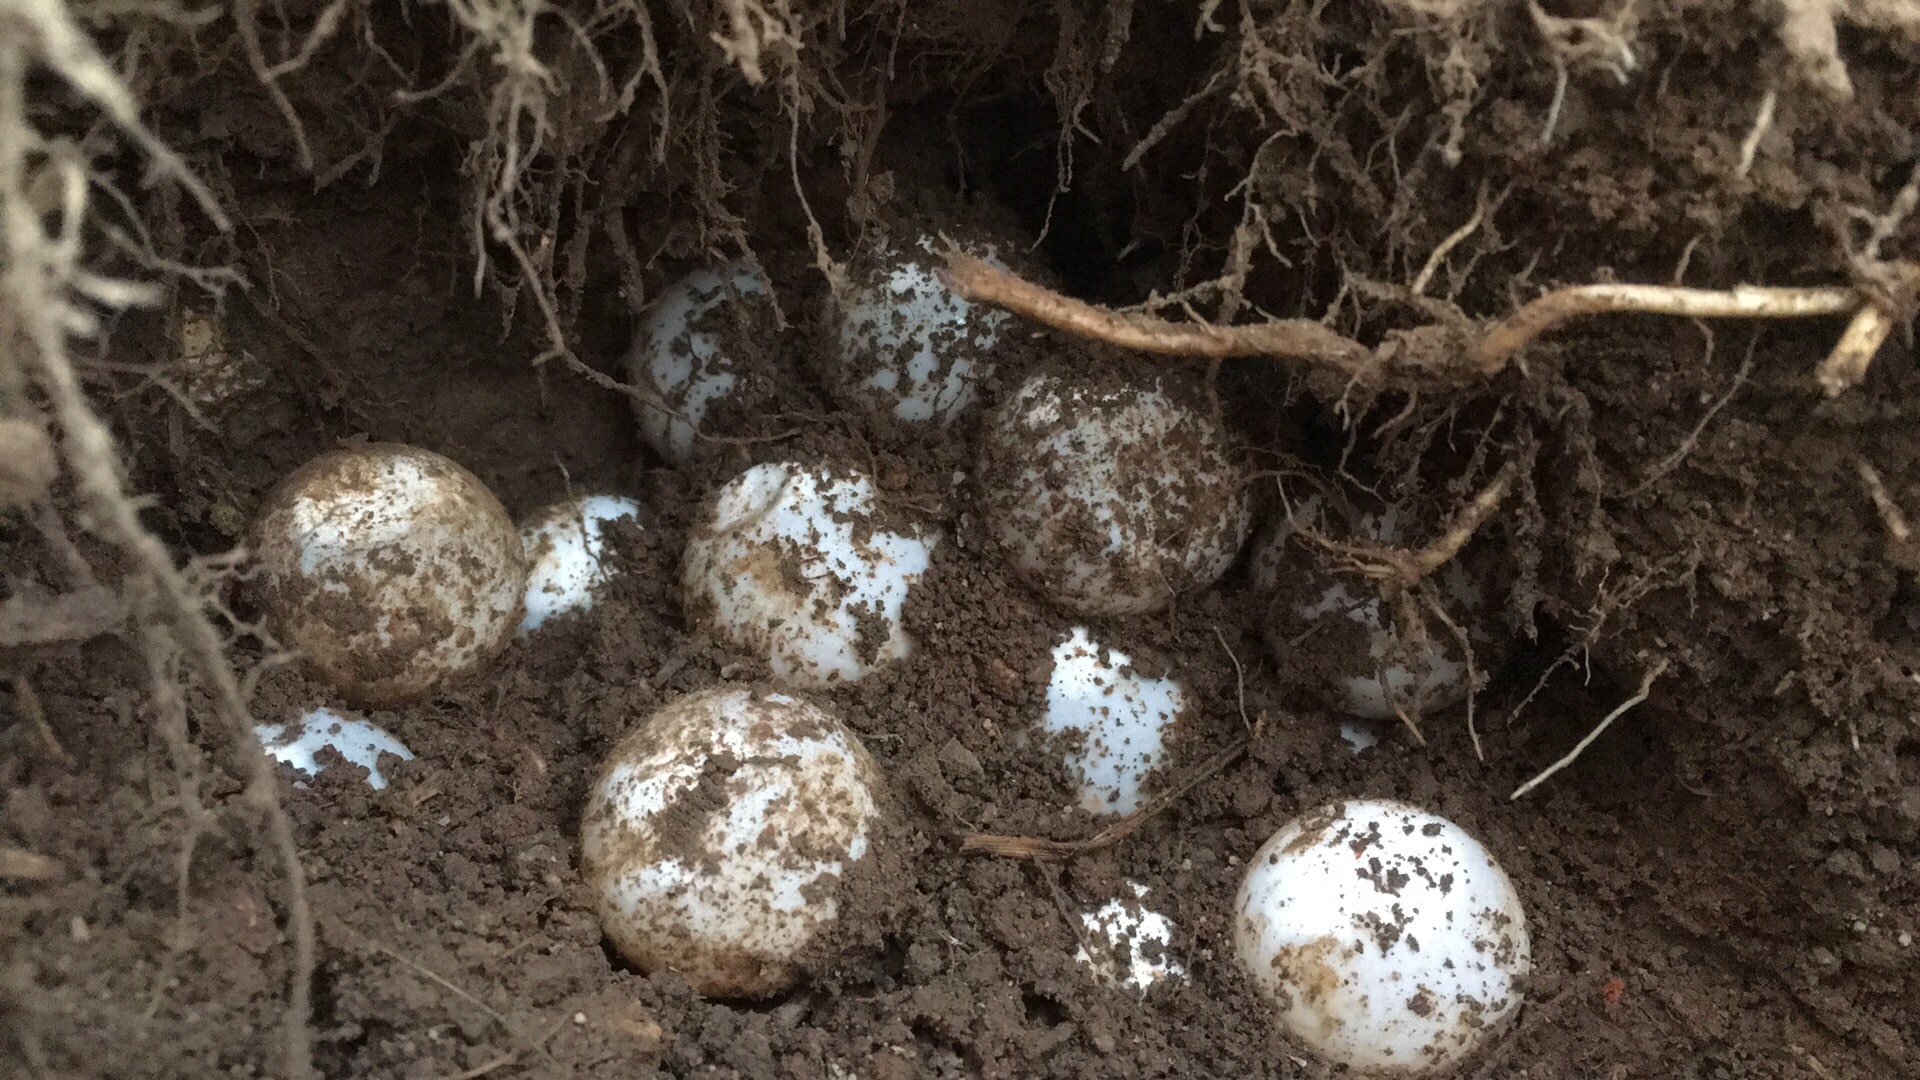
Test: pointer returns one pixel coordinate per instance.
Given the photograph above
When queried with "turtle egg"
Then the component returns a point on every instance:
(720, 834)
(388, 569)
(799, 565)
(1387, 938)
(352, 737)
(1111, 498)
(907, 345)
(565, 545)
(1127, 945)
(1333, 630)
(702, 349)
(1118, 715)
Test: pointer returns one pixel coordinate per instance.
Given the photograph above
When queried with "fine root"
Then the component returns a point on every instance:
(1646, 688)
(1903, 547)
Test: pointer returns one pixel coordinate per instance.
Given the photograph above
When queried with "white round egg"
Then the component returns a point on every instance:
(1328, 625)
(1386, 937)
(702, 350)
(801, 566)
(1127, 944)
(907, 345)
(566, 549)
(1118, 718)
(720, 835)
(1109, 497)
(388, 569)
(353, 737)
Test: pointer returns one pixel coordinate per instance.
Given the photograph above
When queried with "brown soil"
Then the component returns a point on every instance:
(1726, 884)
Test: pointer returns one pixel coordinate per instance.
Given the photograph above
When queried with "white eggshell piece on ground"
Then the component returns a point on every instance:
(566, 547)
(719, 834)
(797, 565)
(690, 355)
(911, 346)
(389, 569)
(1111, 499)
(1128, 945)
(1386, 937)
(354, 738)
(1359, 736)
(1366, 668)
(1119, 716)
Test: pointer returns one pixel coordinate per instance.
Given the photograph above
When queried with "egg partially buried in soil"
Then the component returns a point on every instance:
(1126, 944)
(909, 347)
(1119, 719)
(1328, 625)
(389, 569)
(1111, 497)
(801, 566)
(703, 349)
(354, 738)
(721, 834)
(566, 554)
(1387, 938)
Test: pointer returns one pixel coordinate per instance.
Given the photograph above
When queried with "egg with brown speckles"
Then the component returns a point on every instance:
(722, 834)
(1112, 497)
(389, 570)
(805, 568)
(1387, 938)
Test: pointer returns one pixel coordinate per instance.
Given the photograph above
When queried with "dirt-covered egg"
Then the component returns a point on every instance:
(1328, 626)
(801, 565)
(703, 349)
(1386, 937)
(721, 835)
(566, 554)
(1127, 944)
(355, 738)
(388, 569)
(906, 345)
(1111, 497)
(1118, 719)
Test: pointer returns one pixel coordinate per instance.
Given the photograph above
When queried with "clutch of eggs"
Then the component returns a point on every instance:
(1386, 938)
(703, 350)
(388, 569)
(1329, 627)
(1111, 497)
(720, 834)
(801, 566)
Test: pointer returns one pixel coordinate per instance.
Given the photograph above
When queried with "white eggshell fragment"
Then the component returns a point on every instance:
(702, 347)
(1128, 945)
(352, 737)
(720, 834)
(1111, 498)
(909, 346)
(389, 569)
(566, 547)
(1328, 625)
(1119, 716)
(799, 565)
(1387, 938)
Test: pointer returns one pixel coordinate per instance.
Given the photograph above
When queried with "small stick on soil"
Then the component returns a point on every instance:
(28, 701)
(1847, 364)
(1646, 688)
(17, 864)
(1762, 123)
(1043, 850)
(1497, 347)
(1239, 678)
(1288, 339)
(1903, 548)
